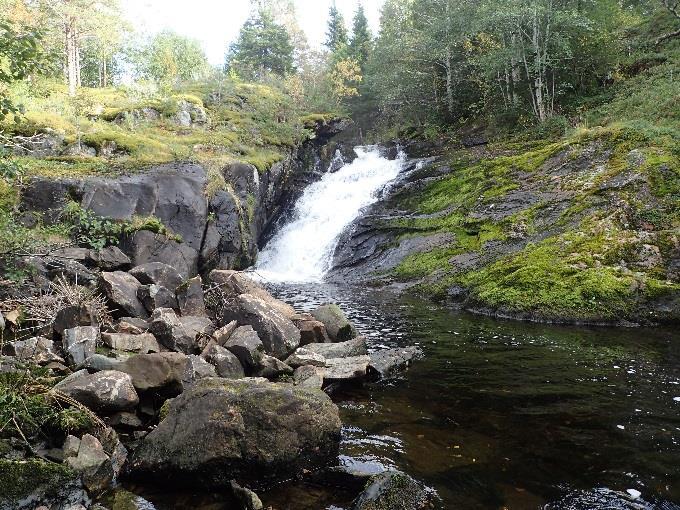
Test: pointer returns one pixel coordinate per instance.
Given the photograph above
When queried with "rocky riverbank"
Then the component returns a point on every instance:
(150, 377)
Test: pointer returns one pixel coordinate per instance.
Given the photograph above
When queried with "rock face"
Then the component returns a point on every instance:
(392, 490)
(106, 391)
(278, 334)
(120, 290)
(338, 326)
(249, 429)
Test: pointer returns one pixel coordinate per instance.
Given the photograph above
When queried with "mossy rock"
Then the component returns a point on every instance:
(392, 490)
(24, 484)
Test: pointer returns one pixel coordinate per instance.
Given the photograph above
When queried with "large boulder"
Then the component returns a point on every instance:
(311, 330)
(309, 376)
(157, 273)
(354, 347)
(110, 258)
(302, 357)
(120, 290)
(80, 343)
(246, 345)
(339, 328)
(155, 296)
(106, 391)
(346, 369)
(179, 333)
(163, 370)
(145, 246)
(387, 362)
(278, 334)
(392, 490)
(250, 430)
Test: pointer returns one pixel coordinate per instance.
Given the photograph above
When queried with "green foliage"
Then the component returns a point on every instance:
(263, 48)
(336, 34)
(170, 58)
(91, 230)
(360, 44)
(19, 55)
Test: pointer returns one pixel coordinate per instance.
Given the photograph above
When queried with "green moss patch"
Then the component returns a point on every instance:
(20, 479)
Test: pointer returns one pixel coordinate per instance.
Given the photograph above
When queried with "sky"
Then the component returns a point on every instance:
(216, 23)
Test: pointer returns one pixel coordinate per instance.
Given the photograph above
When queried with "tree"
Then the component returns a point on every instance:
(284, 14)
(673, 6)
(263, 47)
(336, 36)
(360, 45)
(170, 57)
(19, 56)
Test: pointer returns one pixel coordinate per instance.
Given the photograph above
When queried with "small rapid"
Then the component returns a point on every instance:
(302, 251)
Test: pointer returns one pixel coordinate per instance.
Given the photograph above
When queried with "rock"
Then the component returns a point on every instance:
(142, 344)
(110, 258)
(163, 370)
(303, 357)
(272, 368)
(132, 325)
(79, 149)
(386, 362)
(125, 420)
(223, 334)
(37, 350)
(105, 391)
(197, 368)
(309, 376)
(246, 345)
(354, 347)
(190, 297)
(145, 247)
(39, 146)
(93, 463)
(99, 362)
(392, 490)
(338, 326)
(234, 283)
(124, 500)
(154, 296)
(344, 369)
(157, 273)
(225, 363)
(120, 290)
(73, 316)
(179, 333)
(278, 334)
(311, 330)
(80, 343)
(257, 432)
(248, 499)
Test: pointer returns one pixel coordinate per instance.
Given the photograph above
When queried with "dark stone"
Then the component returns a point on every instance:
(110, 258)
(272, 368)
(163, 370)
(386, 362)
(246, 345)
(73, 316)
(80, 343)
(144, 246)
(392, 490)
(120, 290)
(190, 297)
(154, 296)
(157, 273)
(179, 333)
(226, 364)
(354, 347)
(105, 391)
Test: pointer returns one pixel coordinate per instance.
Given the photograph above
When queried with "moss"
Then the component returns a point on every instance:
(20, 479)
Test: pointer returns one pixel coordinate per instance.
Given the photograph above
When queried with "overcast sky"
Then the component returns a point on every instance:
(215, 23)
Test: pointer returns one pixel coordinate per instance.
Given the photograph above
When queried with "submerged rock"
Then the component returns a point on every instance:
(249, 429)
(392, 490)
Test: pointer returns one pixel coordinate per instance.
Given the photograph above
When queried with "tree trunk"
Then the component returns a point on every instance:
(449, 81)
(105, 73)
(71, 65)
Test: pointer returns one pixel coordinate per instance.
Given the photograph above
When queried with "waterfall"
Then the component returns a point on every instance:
(302, 251)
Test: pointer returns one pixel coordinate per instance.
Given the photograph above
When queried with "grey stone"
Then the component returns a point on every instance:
(157, 273)
(125, 420)
(386, 362)
(339, 328)
(93, 463)
(309, 376)
(311, 330)
(147, 247)
(154, 296)
(354, 347)
(223, 334)
(235, 283)
(246, 345)
(105, 391)
(272, 368)
(71, 446)
(73, 316)
(246, 429)
(392, 490)
(38, 350)
(132, 325)
(80, 343)
(303, 357)
(179, 333)
(190, 297)
(98, 362)
(156, 371)
(142, 343)
(345, 369)
(197, 368)
(120, 289)
(225, 363)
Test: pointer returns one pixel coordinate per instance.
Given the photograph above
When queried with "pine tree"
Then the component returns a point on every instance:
(336, 37)
(360, 45)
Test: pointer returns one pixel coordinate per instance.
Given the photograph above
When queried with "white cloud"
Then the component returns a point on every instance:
(216, 23)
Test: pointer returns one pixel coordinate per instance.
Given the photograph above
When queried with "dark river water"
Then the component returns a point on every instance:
(503, 414)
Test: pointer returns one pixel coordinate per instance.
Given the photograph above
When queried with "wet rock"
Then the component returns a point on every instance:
(157, 273)
(392, 490)
(258, 432)
(354, 347)
(80, 343)
(179, 333)
(311, 330)
(248, 499)
(120, 290)
(110, 258)
(163, 370)
(302, 357)
(37, 350)
(339, 328)
(345, 369)
(106, 391)
(386, 362)
(226, 364)
(272, 368)
(145, 247)
(278, 334)
(142, 343)
(197, 368)
(93, 463)
(154, 296)
(309, 376)
(246, 345)
(190, 297)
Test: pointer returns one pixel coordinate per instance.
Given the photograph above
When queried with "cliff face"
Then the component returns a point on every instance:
(212, 219)
(585, 229)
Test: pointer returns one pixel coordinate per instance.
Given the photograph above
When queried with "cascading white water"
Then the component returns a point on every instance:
(302, 250)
